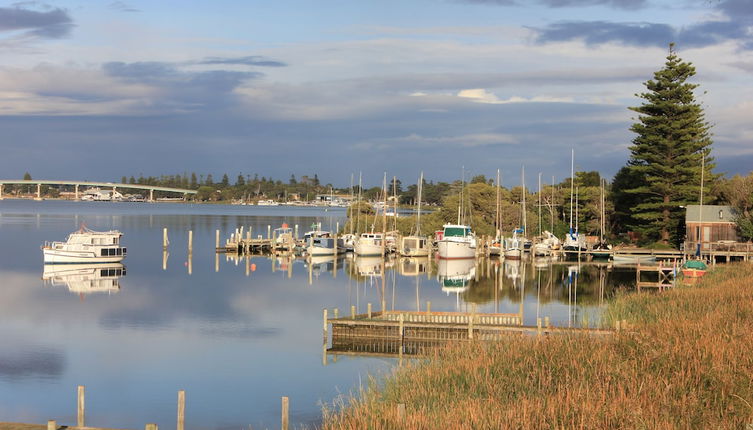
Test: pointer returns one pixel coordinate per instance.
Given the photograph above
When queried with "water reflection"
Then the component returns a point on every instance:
(85, 278)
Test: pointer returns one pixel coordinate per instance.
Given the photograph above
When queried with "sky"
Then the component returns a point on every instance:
(97, 90)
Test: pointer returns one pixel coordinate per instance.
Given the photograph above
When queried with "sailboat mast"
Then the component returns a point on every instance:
(572, 185)
(496, 217)
(394, 196)
(576, 210)
(384, 216)
(539, 203)
(418, 216)
(551, 210)
(523, 208)
(601, 233)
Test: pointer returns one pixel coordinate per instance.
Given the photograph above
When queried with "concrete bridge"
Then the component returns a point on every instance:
(76, 184)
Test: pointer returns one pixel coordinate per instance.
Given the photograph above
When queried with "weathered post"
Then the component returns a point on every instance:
(538, 326)
(165, 242)
(284, 418)
(151, 426)
(337, 313)
(296, 231)
(428, 306)
(269, 231)
(217, 239)
(401, 412)
(353, 311)
(52, 425)
(80, 406)
(368, 309)
(181, 409)
(190, 241)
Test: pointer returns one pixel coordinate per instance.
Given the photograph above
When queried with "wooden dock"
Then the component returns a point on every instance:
(664, 275)
(398, 333)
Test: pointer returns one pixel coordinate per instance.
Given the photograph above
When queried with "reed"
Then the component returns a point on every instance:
(685, 362)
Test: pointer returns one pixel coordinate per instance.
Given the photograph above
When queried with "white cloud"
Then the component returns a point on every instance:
(480, 95)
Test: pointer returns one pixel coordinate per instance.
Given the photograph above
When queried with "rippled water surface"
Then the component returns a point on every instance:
(236, 334)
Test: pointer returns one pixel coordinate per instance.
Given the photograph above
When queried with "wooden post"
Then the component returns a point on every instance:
(401, 328)
(324, 325)
(352, 311)
(337, 313)
(428, 306)
(284, 418)
(296, 231)
(80, 406)
(216, 239)
(151, 426)
(401, 412)
(269, 231)
(368, 309)
(52, 425)
(181, 409)
(538, 326)
(165, 242)
(190, 241)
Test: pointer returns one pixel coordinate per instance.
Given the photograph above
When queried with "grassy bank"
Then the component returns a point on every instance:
(687, 362)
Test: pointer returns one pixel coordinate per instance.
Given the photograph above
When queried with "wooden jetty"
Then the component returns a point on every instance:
(417, 333)
(664, 275)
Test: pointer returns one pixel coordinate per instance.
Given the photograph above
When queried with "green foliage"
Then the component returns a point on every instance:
(666, 155)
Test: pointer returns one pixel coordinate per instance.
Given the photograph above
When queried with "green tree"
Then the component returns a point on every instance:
(738, 191)
(666, 155)
(241, 181)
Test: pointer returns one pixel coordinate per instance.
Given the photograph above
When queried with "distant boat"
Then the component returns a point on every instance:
(417, 245)
(632, 258)
(86, 246)
(514, 246)
(267, 203)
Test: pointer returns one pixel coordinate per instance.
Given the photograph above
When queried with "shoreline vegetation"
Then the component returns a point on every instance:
(685, 362)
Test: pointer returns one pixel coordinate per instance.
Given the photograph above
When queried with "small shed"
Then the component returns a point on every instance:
(709, 224)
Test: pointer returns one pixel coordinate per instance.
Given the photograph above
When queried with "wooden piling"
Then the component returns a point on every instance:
(269, 231)
(352, 311)
(368, 309)
(216, 239)
(538, 326)
(52, 425)
(336, 313)
(190, 241)
(285, 411)
(181, 410)
(428, 306)
(80, 406)
(151, 426)
(165, 241)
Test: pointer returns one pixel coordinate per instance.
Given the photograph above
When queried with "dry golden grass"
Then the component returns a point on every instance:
(687, 362)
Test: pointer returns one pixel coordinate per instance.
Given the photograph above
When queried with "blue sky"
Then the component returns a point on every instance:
(99, 90)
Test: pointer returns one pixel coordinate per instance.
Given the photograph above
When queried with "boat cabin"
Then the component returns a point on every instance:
(456, 231)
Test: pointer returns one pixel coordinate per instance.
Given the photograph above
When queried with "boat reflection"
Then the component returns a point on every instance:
(455, 276)
(413, 266)
(369, 266)
(85, 278)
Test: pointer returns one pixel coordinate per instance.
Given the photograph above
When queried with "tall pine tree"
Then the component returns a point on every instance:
(666, 156)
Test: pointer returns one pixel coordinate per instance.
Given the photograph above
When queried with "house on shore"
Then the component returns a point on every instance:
(709, 224)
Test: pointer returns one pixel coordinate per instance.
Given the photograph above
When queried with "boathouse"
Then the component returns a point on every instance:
(709, 224)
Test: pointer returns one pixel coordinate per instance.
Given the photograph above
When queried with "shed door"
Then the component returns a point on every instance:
(706, 237)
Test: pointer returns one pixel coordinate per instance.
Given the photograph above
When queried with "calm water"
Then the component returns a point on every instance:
(236, 339)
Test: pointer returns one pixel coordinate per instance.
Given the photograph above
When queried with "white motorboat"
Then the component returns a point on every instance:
(85, 278)
(86, 246)
(458, 241)
(369, 245)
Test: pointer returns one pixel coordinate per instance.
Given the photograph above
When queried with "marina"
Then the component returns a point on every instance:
(261, 299)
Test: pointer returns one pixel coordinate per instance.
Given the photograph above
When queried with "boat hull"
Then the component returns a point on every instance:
(368, 249)
(56, 256)
(513, 254)
(451, 250)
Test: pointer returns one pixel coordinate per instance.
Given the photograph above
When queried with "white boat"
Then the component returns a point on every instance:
(267, 203)
(86, 246)
(282, 239)
(349, 242)
(458, 241)
(369, 245)
(514, 246)
(416, 245)
(85, 278)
